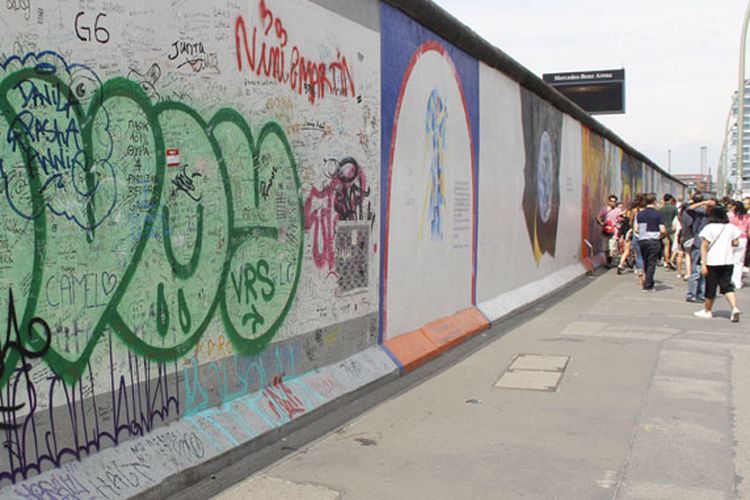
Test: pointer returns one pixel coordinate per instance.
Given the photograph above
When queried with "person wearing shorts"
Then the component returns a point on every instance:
(719, 238)
(669, 211)
(607, 219)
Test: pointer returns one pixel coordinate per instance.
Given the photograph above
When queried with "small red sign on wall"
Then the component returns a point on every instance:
(173, 157)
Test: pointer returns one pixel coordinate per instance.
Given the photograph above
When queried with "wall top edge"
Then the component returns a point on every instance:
(445, 25)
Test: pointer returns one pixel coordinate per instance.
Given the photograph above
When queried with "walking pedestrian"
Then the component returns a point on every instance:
(698, 214)
(679, 260)
(669, 210)
(740, 218)
(607, 219)
(625, 233)
(638, 204)
(718, 240)
(651, 228)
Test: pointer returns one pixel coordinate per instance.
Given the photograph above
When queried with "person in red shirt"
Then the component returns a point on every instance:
(607, 219)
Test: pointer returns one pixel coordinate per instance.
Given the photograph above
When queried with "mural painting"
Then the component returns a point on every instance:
(429, 98)
(542, 131)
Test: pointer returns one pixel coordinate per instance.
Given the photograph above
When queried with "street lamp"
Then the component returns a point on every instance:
(741, 100)
(669, 161)
(723, 169)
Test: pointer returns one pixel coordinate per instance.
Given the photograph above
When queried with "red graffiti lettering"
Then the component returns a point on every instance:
(280, 397)
(267, 58)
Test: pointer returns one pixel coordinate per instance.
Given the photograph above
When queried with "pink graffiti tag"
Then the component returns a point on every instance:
(342, 199)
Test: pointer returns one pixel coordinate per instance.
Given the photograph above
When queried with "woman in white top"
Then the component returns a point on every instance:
(719, 238)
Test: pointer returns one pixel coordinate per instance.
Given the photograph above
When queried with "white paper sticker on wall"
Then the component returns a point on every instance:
(173, 157)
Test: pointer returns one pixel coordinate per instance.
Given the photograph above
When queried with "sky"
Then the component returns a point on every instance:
(681, 61)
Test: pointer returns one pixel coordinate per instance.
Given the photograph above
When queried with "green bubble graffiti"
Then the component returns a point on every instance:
(155, 268)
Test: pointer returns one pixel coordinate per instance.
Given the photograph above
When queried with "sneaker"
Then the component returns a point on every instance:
(704, 314)
(693, 299)
(679, 276)
(735, 317)
(620, 270)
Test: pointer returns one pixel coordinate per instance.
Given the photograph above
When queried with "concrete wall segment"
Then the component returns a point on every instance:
(430, 118)
(182, 201)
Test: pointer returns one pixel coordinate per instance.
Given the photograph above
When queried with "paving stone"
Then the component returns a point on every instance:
(529, 380)
(539, 362)
(270, 488)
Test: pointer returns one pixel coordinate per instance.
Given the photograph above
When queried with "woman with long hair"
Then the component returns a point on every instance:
(625, 232)
(740, 218)
(639, 203)
(680, 256)
(718, 240)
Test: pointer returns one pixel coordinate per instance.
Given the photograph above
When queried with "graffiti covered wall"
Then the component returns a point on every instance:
(177, 197)
(216, 216)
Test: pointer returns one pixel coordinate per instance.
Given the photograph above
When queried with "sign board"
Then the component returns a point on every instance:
(597, 92)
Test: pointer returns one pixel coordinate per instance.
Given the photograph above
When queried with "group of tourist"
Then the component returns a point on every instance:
(703, 240)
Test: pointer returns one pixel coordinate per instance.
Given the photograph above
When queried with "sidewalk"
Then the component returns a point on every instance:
(652, 403)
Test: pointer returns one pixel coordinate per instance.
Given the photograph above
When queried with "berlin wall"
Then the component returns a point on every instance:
(221, 216)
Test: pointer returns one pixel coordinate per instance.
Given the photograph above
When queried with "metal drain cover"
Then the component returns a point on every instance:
(534, 372)
(539, 362)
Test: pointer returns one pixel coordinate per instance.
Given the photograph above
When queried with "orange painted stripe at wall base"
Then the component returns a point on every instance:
(416, 348)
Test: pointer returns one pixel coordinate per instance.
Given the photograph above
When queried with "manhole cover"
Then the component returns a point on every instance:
(534, 372)
(539, 362)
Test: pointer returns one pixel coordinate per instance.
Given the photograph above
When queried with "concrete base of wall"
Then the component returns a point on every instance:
(416, 348)
(165, 460)
(505, 304)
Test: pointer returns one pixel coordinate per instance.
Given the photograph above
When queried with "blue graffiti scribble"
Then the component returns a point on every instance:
(47, 134)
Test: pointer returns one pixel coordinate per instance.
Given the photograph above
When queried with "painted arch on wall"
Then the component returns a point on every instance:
(430, 122)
